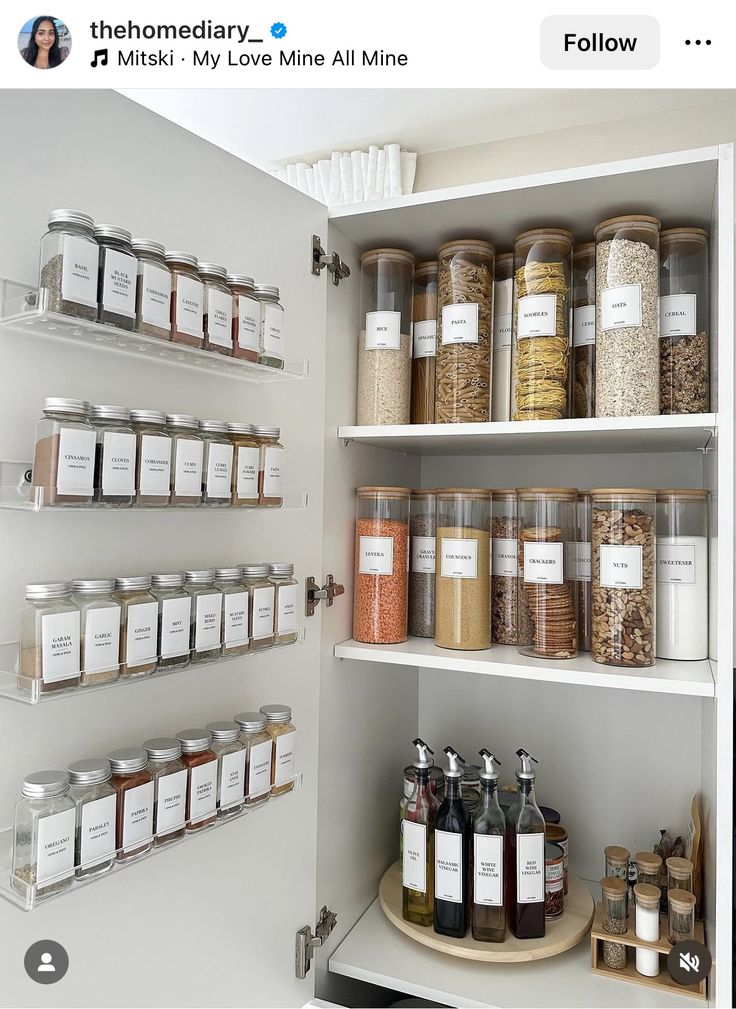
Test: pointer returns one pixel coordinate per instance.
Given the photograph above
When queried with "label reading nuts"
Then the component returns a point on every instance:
(621, 566)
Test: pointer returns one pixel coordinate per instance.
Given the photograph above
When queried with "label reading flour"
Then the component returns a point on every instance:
(101, 639)
(263, 600)
(676, 563)
(137, 815)
(502, 331)
(140, 643)
(383, 330)
(423, 555)
(488, 872)
(529, 868)
(448, 866)
(80, 260)
(537, 316)
(259, 769)
(544, 564)
(273, 331)
(220, 318)
(118, 285)
(247, 480)
(59, 646)
(156, 297)
(155, 466)
(504, 562)
(425, 338)
(236, 619)
(249, 323)
(190, 306)
(376, 555)
(219, 471)
(208, 622)
(284, 758)
(97, 831)
(415, 856)
(175, 619)
(273, 472)
(76, 467)
(621, 567)
(55, 839)
(232, 779)
(287, 608)
(459, 558)
(188, 475)
(583, 326)
(460, 323)
(621, 307)
(678, 314)
(202, 791)
(118, 464)
(171, 797)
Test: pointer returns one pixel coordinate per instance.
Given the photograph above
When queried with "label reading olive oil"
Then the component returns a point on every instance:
(415, 856)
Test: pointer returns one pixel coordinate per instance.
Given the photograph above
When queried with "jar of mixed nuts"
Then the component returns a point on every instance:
(49, 639)
(139, 625)
(258, 747)
(613, 902)
(462, 604)
(229, 581)
(64, 433)
(283, 733)
(271, 339)
(100, 619)
(95, 802)
(117, 278)
(153, 458)
(231, 754)
(174, 619)
(169, 775)
(217, 463)
(115, 462)
(187, 299)
(205, 640)
(69, 267)
(197, 754)
(218, 309)
(504, 567)
(684, 329)
(285, 607)
(270, 467)
(245, 465)
(187, 455)
(261, 603)
(153, 290)
(246, 317)
(43, 836)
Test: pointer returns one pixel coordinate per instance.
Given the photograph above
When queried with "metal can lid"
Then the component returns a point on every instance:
(156, 417)
(240, 280)
(47, 590)
(126, 583)
(251, 721)
(45, 784)
(215, 426)
(183, 258)
(112, 231)
(194, 740)
(168, 580)
(127, 760)
(200, 576)
(212, 270)
(238, 428)
(90, 772)
(267, 432)
(162, 748)
(60, 404)
(228, 574)
(182, 420)
(267, 291)
(224, 732)
(254, 570)
(277, 712)
(96, 585)
(148, 245)
(72, 217)
(102, 411)
(281, 568)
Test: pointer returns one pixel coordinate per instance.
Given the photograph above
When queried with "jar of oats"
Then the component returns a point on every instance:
(627, 308)
(623, 563)
(684, 366)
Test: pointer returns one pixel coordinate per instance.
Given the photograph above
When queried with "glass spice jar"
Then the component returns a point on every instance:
(258, 750)
(283, 733)
(187, 454)
(583, 330)
(95, 802)
(679, 873)
(424, 335)
(422, 529)
(463, 379)
(217, 463)
(153, 290)
(187, 299)
(133, 786)
(647, 898)
(682, 574)
(613, 903)
(205, 641)
(617, 861)
(198, 756)
(503, 314)
(246, 317)
(115, 462)
(64, 456)
(235, 640)
(100, 618)
(463, 588)
(49, 640)
(270, 467)
(681, 905)
(43, 836)
(174, 619)
(380, 597)
(153, 458)
(580, 561)
(218, 309)
(261, 603)
(116, 281)
(245, 465)
(504, 568)
(69, 265)
(271, 337)
(231, 754)
(287, 588)
(139, 625)
(648, 868)
(170, 777)
(684, 329)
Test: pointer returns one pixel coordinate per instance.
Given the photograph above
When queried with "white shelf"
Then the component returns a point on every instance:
(678, 433)
(377, 953)
(693, 679)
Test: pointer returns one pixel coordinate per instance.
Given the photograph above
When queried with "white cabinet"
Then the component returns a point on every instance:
(213, 921)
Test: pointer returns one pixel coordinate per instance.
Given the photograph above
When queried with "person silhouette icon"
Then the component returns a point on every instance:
(46, 963)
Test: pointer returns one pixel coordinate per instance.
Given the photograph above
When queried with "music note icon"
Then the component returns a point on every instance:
(100, 58)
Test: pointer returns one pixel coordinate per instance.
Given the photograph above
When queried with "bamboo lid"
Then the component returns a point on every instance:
(505, 492)
(478, 245)
(697, 237)
(626, 220)
(475, 492)
(681, 900)
(502, 258)
(537, 234)
(422, 492)
(615, 853)
(395, 255)
(400, 492)
(587, 249)
(647, 895)
(555, 493)
(648, 860)
(612, 886)
(645, 493)
(686, 494)
(428, 268)
(680, 868)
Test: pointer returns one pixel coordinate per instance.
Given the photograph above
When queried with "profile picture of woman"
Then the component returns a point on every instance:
(44, 42)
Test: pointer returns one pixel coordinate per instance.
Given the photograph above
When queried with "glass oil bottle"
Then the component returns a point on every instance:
(451, 843)
(525, 856)
(488, 910)
(420, 815)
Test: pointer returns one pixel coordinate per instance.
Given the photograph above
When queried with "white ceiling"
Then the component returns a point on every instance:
(270, 127)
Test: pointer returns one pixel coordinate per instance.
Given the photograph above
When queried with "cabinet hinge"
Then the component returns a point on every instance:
(307, 942)
(313, 593)
(320, 259)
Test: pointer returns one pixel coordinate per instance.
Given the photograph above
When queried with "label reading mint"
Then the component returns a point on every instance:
(188, 474)
(247, 479)
(190, 306)
(236, 619)
(460, 323)
(423, 555)
(273, 331)
(75, 473)
(448, 866)
(249, 323)
(80, 261)
(504, 562)
(262, 618)
(202, 791)
(155, 466)
(273, 472)
(676, 563)
(142, 633)
(259, 769)
(678, 314)
(118, 284)
(175, 620)
(543, 563)
(220, 318)
(376, 555)
(425, 338)
(55, 851)
(459, 558)
(529, 868)
(171, 797)
(219, 471)
(583, 326)
(232, 779)
(156, 297)
(287, 608)
(488, 871)
(208, 622)
(118, 464)
(284, 758)
(383, 330)
(137, 815)
(621, 567)
(537, 316)
(59, 646)
(621, 307)
(415, 856)
(580, 562)
(101, 650)
(97, 831)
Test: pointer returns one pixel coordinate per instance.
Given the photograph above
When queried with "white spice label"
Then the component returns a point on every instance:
(415, 856)
(262, 602)
(504, 563)
(190, 306)
(155, 468)
(202, 791)
(220, 318)
(459, 558)
(101, 650)
(544, 564)
(580, 561)
(621, 567)
(97, 831)
(259, 769)
(529, 868)
(583, 326)
(537, 316)
(219, 471)
(142, 633)
(55, 838)
(273, 331)
(59, 646)
(287, 608)
(502, 331)
(208, 622)
(188, 475)
(156, 296)
(171, 797)
(621, 307)
(137, 815)
(423, 555)
(488, 871)
(80, 262)
(118, 283)
(425, 338)
(676, 563)
(247, 480)
(249, 323)
(678, 314)
(236, 619)
(383, 330)
(118, 463)
(175, 620)
(376, 555)
(460, 323)
(76, 468)
(448, 866)
(232, 779)
(273, 472)
(284, 758)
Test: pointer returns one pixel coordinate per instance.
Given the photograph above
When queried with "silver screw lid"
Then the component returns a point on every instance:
(281, 569)
(228, 574)
(45, 784)
(168, 580)
(127, 760)
(97, 586)
(162, 748)
(194, 740)
(267, 290)
(224, 732)
(90, 772)
(148, 417)
(201, 576)
(183, 258)
(277, 712)
(254, 570)
(241, 280)
(72, 217)
(182, 420)
(268, 432)
(238, 428)
(111, 231)
(212, 270)
(48, 590)
(251, 721)
(147, 245)
(105, 412)
(129, 582)
(60, 404)
(215, 426)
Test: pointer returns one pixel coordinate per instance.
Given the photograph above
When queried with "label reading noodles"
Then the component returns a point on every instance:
(80, 260)
(118, 284)
(155, 466)
(537, 316)
(504, 562)
(376, 555)
(488, 869)
(621, 307)
(75, 474)
(530, 868)
(156, 297)
(583, 326)
(678, 314)
(415, 856)
(97, 831)
(190, 307)
(676, 563)
(118, 464)
(101, 639)
(425, 338)
(448, 866)
(621, 566)
(383, 330)
(459, 558)
(59, 646)
(460, 323)
(543, 563)
(423, 555)
(175, 620)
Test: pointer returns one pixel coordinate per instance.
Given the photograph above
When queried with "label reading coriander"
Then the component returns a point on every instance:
(488, 871)
(530, 868)
(287, 608)
(80, 260)
(137, 815)
(459, 558)
(190, 306)
(59, 646)
(678, 314)
(101, 648)
(220, 318)
(583, 326)
(249, 323)
(142, 633)
(97, 831)
(284, 758)
(118, 283)
(537, 316)
(208, 622)
(448, 866)
(247, 480)
(259, 769)
(415, 856)
(75, 473)
(219, 471)
(621, 307)
(118, 464)
(202, 791)
(621, 567)
(262, 622)
(273, 472)
(425, 338)
(273, 331)
(232, 779)
(236, 619)
(376, 555)
(423, 555)
(676, 563)
(175, 620)
(55, 846)
(188, 475)
(383, 330)
(504, 562)
(543, 564)
(155, 466)
(171, 797)
(156, 297)
(460, 323)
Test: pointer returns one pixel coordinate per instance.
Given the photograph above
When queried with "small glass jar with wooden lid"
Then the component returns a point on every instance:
(647, 898)
(245, 465)
(681, 905)
(617, 861)
(283, 733)
(380, 595)
(583, 330)
(187, 299)
(218, 309)
(424, 331)
(614, 908)
(684, 327)
(648, 867)
(462, 603)
(679, 873)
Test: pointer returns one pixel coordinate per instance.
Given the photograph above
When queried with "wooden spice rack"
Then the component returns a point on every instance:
(663, 981)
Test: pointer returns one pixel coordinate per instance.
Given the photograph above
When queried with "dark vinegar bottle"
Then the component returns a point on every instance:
(451, 844)
(488, 910)
(525, 857)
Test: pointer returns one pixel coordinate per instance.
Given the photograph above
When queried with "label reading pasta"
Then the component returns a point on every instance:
(425, 338)
(537, 316)
(583, 326)
(382, 330)
(459, 558)
(543, 563)
(621, 566)
(460, 323)
(621, 307)
(678, 314)
(376, 555)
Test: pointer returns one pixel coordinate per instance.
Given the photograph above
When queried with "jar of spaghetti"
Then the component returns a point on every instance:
(583, 330)
(153, 458)
(580, 569)
(153, 290)
(503, 304)
(422, 563)
(542, 299)
(270, 467)
(684, 363)
(261, 605)
(117, 278)
(271, 337)
(547, 599)
(283, 733)
(187, 454)
(246, 311)
(425, 343)
(258, 748)
(504, 569)
(462, 607)
(623, 560)
(218, 309)
(385, 343)
(381, 565)
(200, 758)
(134, 789)
(464, 330)
(187, 299)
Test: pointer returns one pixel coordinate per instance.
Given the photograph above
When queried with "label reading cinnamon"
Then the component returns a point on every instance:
(142, 633)
(249, 323)
(208, 622)
(220, 318)
(219, 471)
(284, 758)
(101, 639)
(59, 646)
(75, 475)
(155, 296)
(273, 460)
(232, 779)
(236, 619)
(155, 467)
(80, 260)
(259, 769)
(263, 600)
(247, 478)
(118, 464)
(137, 815)
(175, 619)
(118, 283)
(273, 331)
(287, 608)
(188, 475)
(190, 306)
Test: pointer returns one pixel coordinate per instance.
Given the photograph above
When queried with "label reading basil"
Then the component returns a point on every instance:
(678, 314)
(155, 467)
(537, 316)
(262, 617)
(423, 555)
(259, 769)
(543, 563)
(383, 330)
(219, 471)
(621, 307)
(118, 464)
(415, 856)
(80, 260)
(97, 831)
(236, 619)
(175, 620)
(59, 646)
(249, 323)
(621, 566)
(55, 846)
(190, 306)
(188, 475)
(376, 555)
(425, 338)
(142, 633)
(504, 560)
(529, 868)
(208, 623)
(583, 326)
(488, 869)
(118, 283)
(460, 323)
(247, 480)
(459, 558)
(75, 473)
(232, 779)
(101, 648)
(156, 297)
(448, 866)
(171, 795)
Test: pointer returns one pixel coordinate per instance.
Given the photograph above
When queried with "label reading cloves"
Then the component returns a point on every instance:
(118, 464)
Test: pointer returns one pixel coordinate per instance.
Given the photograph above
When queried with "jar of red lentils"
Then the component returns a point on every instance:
(381, 565)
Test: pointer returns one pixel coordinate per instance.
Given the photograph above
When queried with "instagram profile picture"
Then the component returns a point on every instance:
(44, 42)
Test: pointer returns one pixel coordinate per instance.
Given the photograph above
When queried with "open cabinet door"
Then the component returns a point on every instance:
(212, 920)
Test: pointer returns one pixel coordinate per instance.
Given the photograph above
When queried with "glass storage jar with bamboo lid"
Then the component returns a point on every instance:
(153, 458)
(218, 309)
(681, 915)
(423, 522)
(258, 747)
(283, 733)
(464, 331)
(271, 336)
(245, 465)
(153, 290)
(583, 330)
(503, 313)
(684, 329)
(541, 346)
(614, 908)
(617, 861)
(384, 345)
(63, 433)
(381, 565)
(49, 639)
(187, 299)
(69, 265)
(117, 277)
(679, 873)
(547, 592)
(627, 309)
(682, 574)
(648, 867)
(424, 330)
(504, 566)
(246, 317)
(623, 576)
(462, 603)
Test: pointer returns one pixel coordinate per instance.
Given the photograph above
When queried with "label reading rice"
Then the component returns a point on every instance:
(382, 330)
